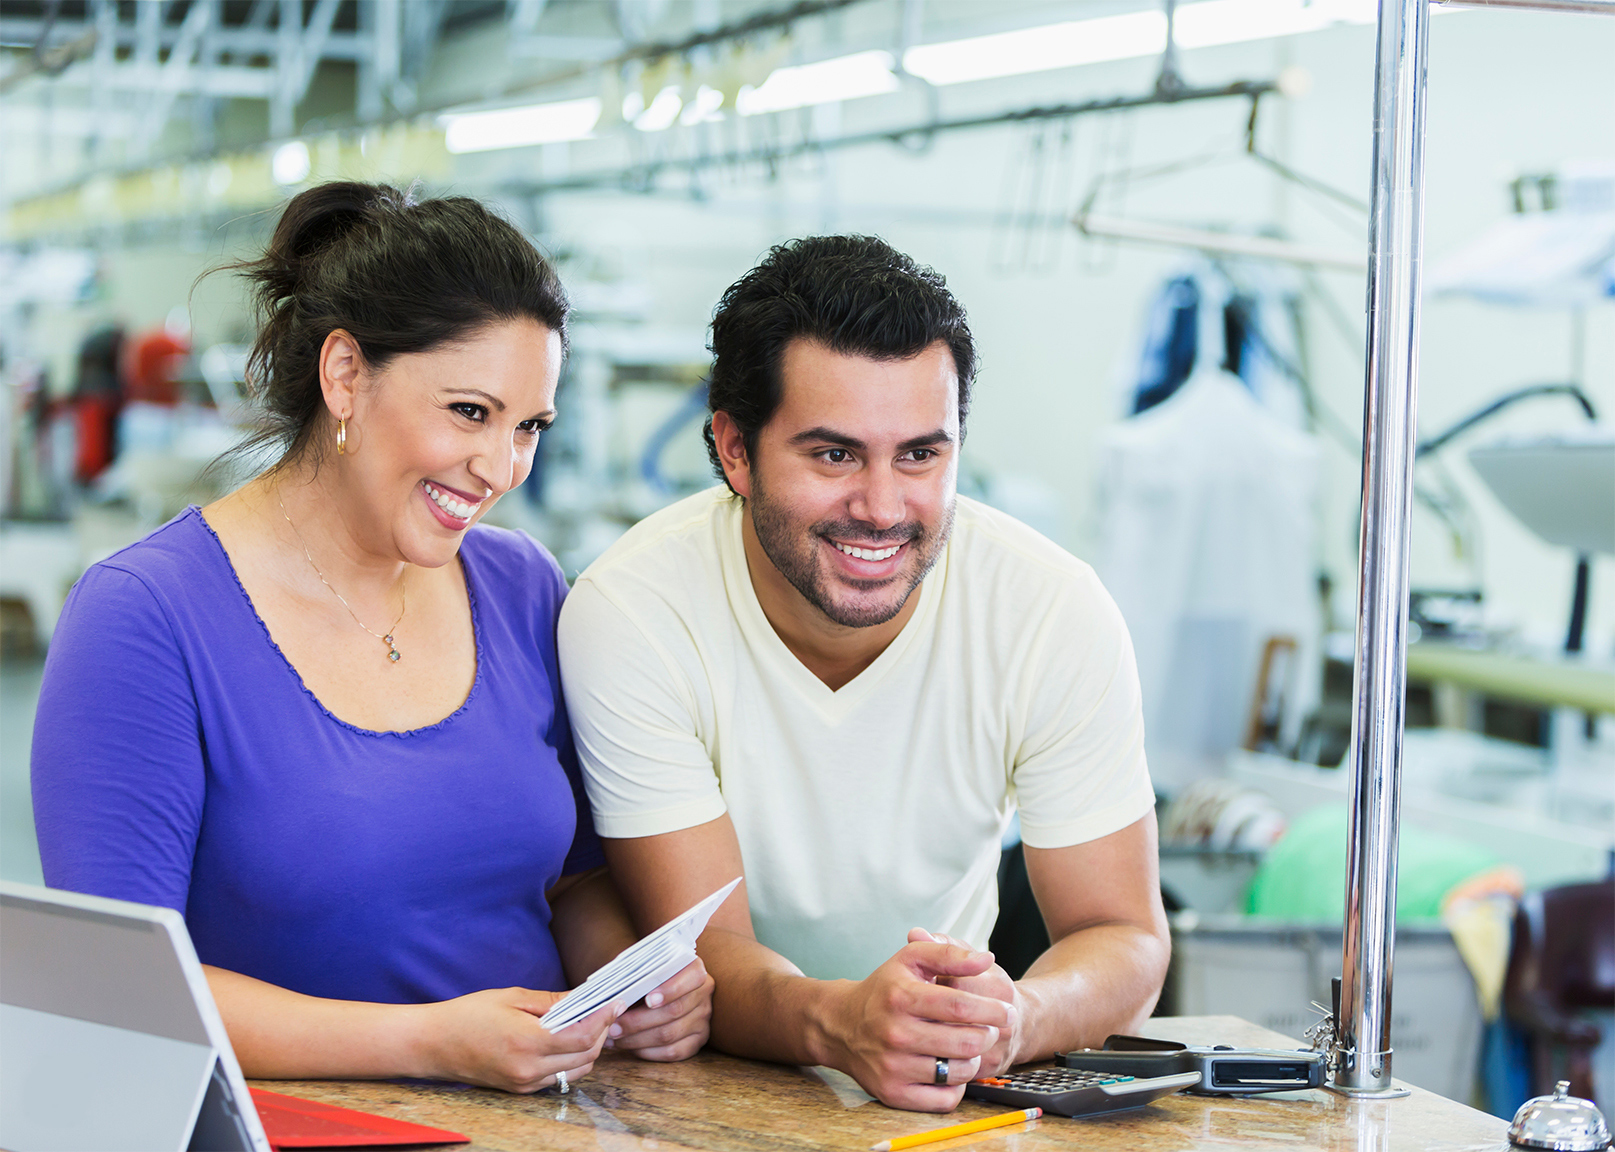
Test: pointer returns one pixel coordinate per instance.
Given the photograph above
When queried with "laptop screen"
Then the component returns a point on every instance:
(109, 1036)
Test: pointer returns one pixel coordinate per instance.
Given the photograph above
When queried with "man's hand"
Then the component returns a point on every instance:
(674, 1021)
(996, 984)
(887, 1031)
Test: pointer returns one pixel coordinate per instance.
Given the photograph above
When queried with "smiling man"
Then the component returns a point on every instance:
(840, 678)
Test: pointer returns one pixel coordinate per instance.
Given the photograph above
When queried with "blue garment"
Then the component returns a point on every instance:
(179, 760)
(1202, 319)
(1169, 344)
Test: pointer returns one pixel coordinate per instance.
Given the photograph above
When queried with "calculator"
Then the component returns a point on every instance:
(1075, 1092)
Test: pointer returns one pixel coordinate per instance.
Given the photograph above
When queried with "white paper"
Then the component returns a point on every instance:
(640, 969)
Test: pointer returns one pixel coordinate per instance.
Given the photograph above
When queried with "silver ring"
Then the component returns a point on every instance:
(941, 1070)
(560, 1078)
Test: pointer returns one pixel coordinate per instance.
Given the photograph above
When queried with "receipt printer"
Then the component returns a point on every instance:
(1224, 1071)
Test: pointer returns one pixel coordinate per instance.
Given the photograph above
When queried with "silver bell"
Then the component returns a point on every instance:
(1561, 1122)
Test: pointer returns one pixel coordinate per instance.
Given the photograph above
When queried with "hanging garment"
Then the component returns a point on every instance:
(1207, 524)
(1233, 315)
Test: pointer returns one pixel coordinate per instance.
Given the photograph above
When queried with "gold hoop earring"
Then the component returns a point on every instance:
(341, 437)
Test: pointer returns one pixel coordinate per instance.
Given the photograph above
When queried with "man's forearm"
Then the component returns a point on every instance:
(1094, 982)
(762, 1005)
(589, 923)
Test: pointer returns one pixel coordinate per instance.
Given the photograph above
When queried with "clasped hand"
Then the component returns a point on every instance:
(936, 998)
(495, 1038)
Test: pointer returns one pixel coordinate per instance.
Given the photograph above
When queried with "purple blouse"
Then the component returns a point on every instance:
(179, 760)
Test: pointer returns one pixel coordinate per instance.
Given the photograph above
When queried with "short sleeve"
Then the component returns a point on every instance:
(645, 766)
(1080, 772)
(117, 763)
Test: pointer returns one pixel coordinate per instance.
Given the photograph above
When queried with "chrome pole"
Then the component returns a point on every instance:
(1363, 1058)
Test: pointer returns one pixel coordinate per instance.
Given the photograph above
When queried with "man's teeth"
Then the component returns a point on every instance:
(869, 553)
(449, 504)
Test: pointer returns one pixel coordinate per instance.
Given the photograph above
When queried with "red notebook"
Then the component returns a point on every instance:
(293, 1123)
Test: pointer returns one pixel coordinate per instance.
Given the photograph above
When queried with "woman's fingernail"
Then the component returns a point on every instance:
(611, 1044)
(654, 1000)
(616, 1029)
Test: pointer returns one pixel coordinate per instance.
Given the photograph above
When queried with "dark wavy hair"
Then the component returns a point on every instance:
(855, 294)
(399, 274)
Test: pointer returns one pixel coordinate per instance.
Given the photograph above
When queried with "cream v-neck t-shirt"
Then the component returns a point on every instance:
(879, 807)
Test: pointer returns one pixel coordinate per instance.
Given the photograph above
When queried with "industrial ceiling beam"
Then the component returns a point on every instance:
(175, 71)
(523, 15)
(298, 53)
(223, 80)
(245, 40)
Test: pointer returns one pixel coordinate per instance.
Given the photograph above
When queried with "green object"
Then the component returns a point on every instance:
(1559, 682)
(1303, 876)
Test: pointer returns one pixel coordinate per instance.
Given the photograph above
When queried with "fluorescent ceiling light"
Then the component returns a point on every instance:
(662, 111)
(704, 106)
(1214, 22)
(1065, 45)
(290, 164)
(842, 78)
(520, 127)
(1039, 49)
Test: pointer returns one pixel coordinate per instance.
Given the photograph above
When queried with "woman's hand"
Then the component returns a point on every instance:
(495, 1039)
(674, 1022)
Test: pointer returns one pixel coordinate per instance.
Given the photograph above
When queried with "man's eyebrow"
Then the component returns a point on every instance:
(826, 436)
(929, 440)
(830, 436)
(494, 402)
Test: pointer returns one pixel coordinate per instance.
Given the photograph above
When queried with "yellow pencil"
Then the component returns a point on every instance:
(953, 1130)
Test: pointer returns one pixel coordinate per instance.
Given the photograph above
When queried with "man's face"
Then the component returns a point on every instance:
(853, 483)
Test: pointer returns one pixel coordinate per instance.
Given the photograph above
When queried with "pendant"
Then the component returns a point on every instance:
(393, 653)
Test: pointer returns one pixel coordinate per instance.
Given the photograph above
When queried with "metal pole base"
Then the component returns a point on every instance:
(1392, 1093)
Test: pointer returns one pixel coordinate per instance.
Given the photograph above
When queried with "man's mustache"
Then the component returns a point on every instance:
(852, 532)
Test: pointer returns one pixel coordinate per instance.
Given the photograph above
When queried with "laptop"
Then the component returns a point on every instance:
(109, 1037)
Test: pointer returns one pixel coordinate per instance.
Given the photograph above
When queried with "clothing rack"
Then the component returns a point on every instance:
(1223, 243)
(642, 177)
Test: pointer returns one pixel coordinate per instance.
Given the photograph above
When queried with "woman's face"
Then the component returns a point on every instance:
(436, 437)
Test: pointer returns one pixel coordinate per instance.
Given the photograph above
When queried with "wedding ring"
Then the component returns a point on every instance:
(941, 1070)
(560, 1078)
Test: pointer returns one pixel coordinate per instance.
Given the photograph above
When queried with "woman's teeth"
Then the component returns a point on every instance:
(869, 553)
(448, 503)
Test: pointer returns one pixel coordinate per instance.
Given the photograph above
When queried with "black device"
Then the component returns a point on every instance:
(1073, 1092)
(1223, 1070)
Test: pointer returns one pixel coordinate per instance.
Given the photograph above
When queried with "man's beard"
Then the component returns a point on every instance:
(795, 552)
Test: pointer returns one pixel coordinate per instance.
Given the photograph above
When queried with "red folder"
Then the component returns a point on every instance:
(293, 1123)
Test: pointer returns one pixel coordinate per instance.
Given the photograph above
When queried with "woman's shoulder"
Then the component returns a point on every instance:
(510, 558)
(183, 540)
(168, 583)
(169, 557)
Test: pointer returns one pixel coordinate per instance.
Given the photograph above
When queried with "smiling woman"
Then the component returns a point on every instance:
(321, 717)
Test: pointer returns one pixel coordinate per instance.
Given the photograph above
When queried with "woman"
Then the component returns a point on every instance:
(322, 717)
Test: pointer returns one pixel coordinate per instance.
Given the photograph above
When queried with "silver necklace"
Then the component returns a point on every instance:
(403, 583)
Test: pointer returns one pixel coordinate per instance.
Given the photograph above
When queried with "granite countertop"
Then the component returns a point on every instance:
(731, 1105)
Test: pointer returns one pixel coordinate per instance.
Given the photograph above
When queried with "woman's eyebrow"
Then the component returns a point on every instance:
(494, 402)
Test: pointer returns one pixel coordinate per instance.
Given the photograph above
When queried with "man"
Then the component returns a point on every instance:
(841, 679)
